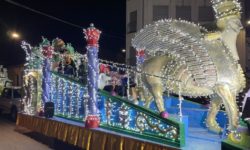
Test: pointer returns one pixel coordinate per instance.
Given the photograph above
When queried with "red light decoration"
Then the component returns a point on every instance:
(92, 35)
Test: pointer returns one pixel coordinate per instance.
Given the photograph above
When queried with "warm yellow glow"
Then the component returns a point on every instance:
(248, 22)
(15, 35)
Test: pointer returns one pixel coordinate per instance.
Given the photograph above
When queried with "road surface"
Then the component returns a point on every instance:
(12, 140)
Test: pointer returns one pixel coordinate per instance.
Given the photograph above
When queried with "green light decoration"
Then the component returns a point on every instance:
(118, 114)
(70, 48)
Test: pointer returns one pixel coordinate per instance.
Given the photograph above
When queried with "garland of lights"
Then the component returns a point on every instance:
(46, 81)
(108, 106)
(74, 97)
(122, 67)
(124, 116)
(74, 101)
(117, 113)
(77, 101)
(143, 122)
(31, 84)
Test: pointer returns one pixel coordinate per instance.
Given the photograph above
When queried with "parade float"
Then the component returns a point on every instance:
(175, 58)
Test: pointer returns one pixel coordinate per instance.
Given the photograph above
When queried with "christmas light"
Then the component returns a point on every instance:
(92, 36)
(71, 98)
(112, 112)
(183, 51)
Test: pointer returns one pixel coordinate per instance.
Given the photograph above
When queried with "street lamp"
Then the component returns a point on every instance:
(123, 50)
(248, 22)
(15, 35)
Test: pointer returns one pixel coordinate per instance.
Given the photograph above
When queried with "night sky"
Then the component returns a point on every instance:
(109, 17)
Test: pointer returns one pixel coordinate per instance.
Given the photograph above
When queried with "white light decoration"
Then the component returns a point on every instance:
(226, 8)
(180, 102)
(186, 54)
(71, 101)
(32, 79)
(124, 116)
(118, 114)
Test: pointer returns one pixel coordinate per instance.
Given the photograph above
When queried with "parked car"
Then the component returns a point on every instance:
(11, 101)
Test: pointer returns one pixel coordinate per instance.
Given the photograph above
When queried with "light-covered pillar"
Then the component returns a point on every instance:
(92, 36)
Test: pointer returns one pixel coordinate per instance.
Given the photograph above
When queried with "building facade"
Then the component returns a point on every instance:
(248, 55)
(142, 12)
(15, 74)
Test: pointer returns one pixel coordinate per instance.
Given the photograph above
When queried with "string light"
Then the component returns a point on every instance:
(92, 36)
(71, 100)
(187, 52)
(76, 56)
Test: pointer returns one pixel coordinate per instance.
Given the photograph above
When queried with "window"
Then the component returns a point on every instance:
(17, 80)
(17, 93)
(132, 56)
(206, 13)
(183, 12)
(132, 25)
(160, 12)
(7, 93)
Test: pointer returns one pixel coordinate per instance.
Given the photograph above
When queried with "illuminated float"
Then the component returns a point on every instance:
(173, 55)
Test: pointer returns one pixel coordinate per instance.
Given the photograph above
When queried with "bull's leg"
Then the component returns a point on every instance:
(145, 96)
(148, 100)
(155, 66)
(157, 90)
(211, 117)
(229, 100)
(140, 92)
(134, 95)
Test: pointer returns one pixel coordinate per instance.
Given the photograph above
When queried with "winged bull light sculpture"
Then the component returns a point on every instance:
(195, 62)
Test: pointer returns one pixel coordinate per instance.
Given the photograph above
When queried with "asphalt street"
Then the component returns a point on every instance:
(12, 140)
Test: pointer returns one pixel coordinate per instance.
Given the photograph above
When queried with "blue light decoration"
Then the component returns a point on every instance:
(60, 96)
(74, 100)
(92, 36)
(66, 98)
(116, 113)
(140, 56)
(47, 52)
(46, 81)
(54, 93)
(69, 97)
(82, 95)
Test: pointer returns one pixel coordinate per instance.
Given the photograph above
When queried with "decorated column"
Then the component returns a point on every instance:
(47, 51)
(92, 36)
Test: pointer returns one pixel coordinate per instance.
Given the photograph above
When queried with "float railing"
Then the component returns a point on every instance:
(116, 113)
